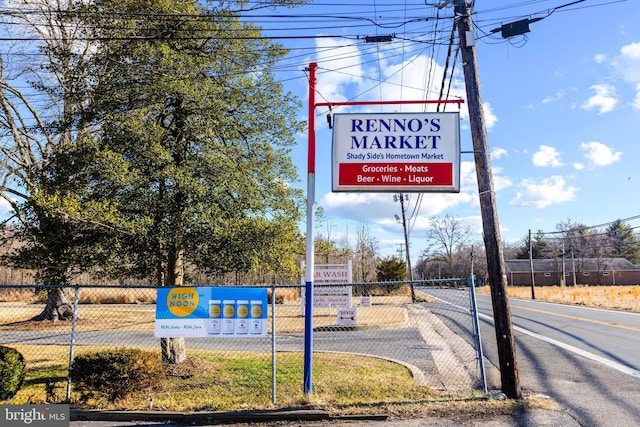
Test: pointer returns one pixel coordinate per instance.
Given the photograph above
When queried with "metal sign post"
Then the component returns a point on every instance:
(311, 189)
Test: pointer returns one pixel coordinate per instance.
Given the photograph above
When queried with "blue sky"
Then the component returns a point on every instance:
(562, 104)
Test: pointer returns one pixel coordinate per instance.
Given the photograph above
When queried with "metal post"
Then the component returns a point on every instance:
(273, 345)
(309, 273)
(73, 341)
(311, 160)
(476, 333)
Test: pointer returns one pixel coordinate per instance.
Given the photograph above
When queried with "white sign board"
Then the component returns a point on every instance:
(337, 275)
(336, 290)
(331, 290)
(396, 152)
(347, 316)
(331, 301)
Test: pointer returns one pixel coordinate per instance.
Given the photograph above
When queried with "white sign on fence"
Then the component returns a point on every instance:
(334, 290)
(330, 274)
(327, 292)
(329, 301)
(347, 316)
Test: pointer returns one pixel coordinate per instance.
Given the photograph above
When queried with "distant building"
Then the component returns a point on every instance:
(581, 271)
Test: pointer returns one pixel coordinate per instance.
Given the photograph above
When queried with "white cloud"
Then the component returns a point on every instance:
(556, 97)
(490, 119)
(600, 58)
(636, 101)
(496, 153)
(348, 58)
(546, 156)
(468, 179)
(379, 208)
(549, 191)
(385, 80)
(604, 99)
(627, 66)
(501, 182)
(599, 154)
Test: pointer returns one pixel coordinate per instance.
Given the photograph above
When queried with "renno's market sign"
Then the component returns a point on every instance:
(414, 152)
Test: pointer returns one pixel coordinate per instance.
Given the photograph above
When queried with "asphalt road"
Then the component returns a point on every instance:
(587, 360)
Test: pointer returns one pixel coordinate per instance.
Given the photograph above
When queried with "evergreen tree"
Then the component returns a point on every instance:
(391, 269)
(538, 246)
(622, 242)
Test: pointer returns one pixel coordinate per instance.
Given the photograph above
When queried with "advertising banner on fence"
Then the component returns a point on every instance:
(211, 312)
(396, 152)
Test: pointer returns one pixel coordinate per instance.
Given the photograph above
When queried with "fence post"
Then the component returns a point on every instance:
(476, 333)
(73, 341)
(273, 345)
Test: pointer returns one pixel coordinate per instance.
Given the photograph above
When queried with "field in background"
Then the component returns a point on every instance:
(625, 298)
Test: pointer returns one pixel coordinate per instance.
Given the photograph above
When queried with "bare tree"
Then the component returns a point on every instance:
(365, 253)
(574, 245)
(446, 237)
(38, 103)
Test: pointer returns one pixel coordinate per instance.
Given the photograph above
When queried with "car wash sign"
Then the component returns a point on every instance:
(396, 152)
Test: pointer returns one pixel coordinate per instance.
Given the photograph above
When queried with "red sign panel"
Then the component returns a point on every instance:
(396, 174)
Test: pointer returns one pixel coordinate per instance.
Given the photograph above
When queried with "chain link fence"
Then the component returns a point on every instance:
(434, 337)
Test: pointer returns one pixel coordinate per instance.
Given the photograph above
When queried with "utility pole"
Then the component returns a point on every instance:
(492, 241)
(562, 284)
(406, 244)
(533, 273)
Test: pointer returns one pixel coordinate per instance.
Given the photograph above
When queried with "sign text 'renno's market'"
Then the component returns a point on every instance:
(396, 152)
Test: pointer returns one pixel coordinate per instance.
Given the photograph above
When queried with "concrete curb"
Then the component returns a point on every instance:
(198, 417)
(212, 417)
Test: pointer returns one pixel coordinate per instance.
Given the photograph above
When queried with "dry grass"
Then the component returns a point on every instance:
(25, 295)
(141, 317)
(626, 298)
(93, 295)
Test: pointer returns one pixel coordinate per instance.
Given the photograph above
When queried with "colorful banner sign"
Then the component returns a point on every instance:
(396, 152)
(211, 312)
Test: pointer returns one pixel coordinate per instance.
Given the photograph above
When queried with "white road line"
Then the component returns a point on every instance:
(594, 357)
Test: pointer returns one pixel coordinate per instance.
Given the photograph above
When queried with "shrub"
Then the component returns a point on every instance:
(12, 366)
(116, 374)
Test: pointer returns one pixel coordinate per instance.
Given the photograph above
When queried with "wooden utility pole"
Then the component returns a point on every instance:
(533, 273)
(406, 245)
(492, 241)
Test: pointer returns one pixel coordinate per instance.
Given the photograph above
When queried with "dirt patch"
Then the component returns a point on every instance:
(191, 367)
(36, 325)
(461, 411)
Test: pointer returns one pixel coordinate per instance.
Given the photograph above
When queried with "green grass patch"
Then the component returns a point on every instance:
(223, 381)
